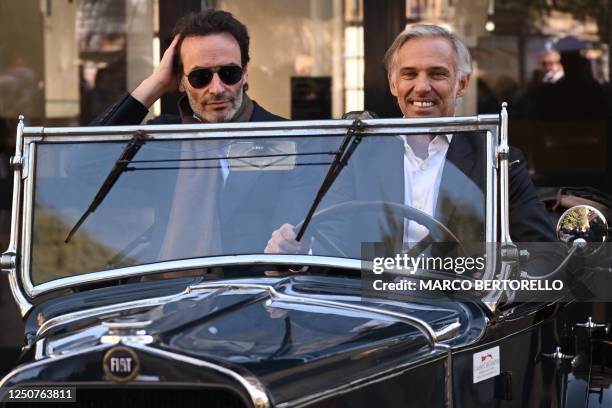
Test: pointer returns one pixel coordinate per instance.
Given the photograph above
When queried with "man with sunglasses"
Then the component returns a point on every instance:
(208, 62)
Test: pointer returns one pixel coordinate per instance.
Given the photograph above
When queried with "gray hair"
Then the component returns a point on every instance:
(463, 59)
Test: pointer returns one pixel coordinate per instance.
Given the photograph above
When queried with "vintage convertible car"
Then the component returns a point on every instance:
(137, 259)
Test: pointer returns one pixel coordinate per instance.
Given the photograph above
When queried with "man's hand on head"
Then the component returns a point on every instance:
(283, 241)
(163, 79)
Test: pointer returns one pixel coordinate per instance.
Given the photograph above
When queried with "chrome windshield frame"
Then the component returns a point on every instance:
(25, 290)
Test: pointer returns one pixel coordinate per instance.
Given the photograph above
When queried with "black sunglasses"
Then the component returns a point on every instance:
(228, 74)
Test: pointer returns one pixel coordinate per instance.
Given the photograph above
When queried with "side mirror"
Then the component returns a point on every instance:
(582, 225)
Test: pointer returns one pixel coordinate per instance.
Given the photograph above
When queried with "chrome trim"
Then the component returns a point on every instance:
(261, 129)
(126, 330)
(39, 349)
(491, 305)
(177, 265)
(12, 251)
(448, 331)
(25, 170)
(26, 239)
(96, 311)
(251, 384)
(503, 151)
(254, 134)
(492, 298)
(120, 339)
(363, 382)
(509, 253)
(35, 364)
(117, 327)
(74, 341)
(493, 184)
(491, 207)
(590, 324)
(422, 325)
(16, 191)
(23, 304)
(558, 355)
(489, 178)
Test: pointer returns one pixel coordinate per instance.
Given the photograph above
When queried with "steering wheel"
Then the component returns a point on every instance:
(438, 232)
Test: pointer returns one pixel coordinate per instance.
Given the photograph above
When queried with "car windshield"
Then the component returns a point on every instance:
(180, 199)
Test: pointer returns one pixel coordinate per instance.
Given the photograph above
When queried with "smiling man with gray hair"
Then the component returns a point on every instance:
(428, 70)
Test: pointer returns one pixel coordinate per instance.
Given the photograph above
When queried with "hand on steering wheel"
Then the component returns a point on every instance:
(438, 232)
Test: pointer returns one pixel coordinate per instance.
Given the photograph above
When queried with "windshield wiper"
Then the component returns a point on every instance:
(343, 154)
(127, 154)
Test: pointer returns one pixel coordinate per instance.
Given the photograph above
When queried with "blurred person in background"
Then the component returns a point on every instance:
(576, 95)
(552, 70)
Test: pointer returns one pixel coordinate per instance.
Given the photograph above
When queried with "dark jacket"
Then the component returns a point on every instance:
(248, 204)
(461, 200)
(129, 111)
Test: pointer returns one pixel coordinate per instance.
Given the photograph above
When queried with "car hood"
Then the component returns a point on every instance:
(292, 333)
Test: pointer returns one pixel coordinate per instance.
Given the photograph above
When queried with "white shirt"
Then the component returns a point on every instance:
(422, 182)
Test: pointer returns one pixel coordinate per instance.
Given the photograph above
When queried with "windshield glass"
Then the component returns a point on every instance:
(182, 199)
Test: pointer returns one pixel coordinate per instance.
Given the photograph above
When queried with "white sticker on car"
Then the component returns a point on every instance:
(486, 364)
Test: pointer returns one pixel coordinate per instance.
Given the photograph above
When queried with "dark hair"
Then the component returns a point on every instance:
(211, 21)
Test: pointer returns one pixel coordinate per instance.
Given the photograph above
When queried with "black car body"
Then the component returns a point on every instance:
(237, 327)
